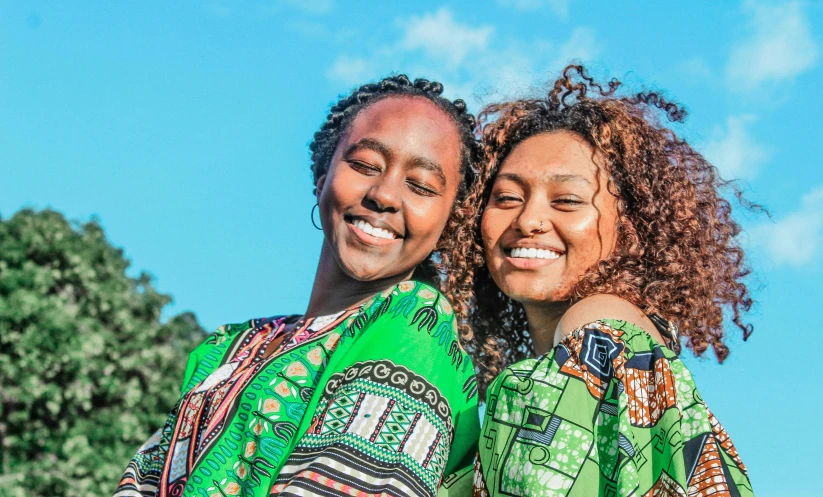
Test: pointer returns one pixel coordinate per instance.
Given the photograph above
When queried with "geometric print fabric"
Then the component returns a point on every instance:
(243, 412)
(230, 426)
(608, 412)
(387, 425)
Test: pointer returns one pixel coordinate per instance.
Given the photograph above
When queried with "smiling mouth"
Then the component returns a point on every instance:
(367, 228)
(369, 234)
(532, 253)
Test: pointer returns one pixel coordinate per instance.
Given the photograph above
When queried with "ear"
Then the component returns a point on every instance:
(318, 188)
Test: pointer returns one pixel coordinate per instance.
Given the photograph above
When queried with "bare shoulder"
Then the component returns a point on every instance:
(604, 307)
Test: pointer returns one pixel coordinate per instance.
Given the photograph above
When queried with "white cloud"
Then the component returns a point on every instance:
(559, 7)
(582, 45)
(512, 69)
(735, 153)
(350, 70)
(796, 239)
(780, 46)
(439, 36)
(469, 60)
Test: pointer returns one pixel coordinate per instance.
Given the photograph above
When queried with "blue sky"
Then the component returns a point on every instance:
(183, 127)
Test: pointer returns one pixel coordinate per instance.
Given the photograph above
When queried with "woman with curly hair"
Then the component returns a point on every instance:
(369, 392)
(601, 229)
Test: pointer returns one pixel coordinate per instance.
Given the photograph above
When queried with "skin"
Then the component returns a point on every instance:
(397, 167)
(556, 179)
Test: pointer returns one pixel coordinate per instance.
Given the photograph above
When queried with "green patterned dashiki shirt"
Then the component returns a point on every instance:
(608, 412)
(377, 400)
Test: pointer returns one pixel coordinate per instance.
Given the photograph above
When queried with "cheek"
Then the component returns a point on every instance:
(426, 220)
(326, 200)
(341, 190)
(488, 233)
(591, 238)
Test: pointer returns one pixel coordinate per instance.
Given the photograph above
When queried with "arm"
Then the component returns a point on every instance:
(590, 309)
(144, 469)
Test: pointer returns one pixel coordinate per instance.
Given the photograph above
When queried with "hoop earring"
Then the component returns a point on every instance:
(320, 228)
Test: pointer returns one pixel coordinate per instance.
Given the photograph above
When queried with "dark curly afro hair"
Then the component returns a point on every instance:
(448, 259)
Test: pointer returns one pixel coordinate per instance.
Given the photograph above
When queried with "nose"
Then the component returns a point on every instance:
(384, 195)
(535, 218)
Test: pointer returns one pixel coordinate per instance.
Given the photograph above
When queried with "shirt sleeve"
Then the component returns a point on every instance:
(607, 412)
(144, 469)
(399, 411)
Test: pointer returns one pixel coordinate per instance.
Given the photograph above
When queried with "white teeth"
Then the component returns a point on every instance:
(375, 232)
(533, 253)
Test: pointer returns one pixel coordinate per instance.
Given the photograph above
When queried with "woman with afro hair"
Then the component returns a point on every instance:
(369, 392)
(606, 244)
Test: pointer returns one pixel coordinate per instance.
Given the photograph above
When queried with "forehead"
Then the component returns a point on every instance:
(556, 152)
(392, 114)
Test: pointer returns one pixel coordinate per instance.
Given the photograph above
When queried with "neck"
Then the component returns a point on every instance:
(334, 290)
(543, 319)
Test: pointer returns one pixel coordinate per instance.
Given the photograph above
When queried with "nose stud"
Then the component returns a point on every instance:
(541, 225)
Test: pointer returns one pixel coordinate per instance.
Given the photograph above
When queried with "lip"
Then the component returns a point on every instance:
(522, 263)
(532, 244)
(376, 222)
(368, 239)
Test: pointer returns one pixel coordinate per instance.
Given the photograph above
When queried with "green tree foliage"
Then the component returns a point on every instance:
(87, 369)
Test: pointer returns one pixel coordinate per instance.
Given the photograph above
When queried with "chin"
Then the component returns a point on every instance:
(528, 294)
(530, 298)
(364, 273)
(350, 264)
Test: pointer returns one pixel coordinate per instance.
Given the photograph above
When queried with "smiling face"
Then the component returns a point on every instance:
(390, 187)
(549, 218)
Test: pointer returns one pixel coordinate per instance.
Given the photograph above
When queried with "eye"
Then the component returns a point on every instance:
(364, 167)
(504, 199)
(567, 203)
(422, 189)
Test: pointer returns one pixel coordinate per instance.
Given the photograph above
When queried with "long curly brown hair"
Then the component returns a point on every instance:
(677, 252)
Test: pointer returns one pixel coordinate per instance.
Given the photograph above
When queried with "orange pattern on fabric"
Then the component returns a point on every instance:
(330, 483)
(708, 478)
(665, 487)
(190, 414)
(650, 393)
(479, 487)
(573, 366)
(726, 442)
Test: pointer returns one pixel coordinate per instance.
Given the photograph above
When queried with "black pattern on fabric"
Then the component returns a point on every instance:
(393, 375)
(375, 419)
(247, 415)
(608, 412)
(351, 467)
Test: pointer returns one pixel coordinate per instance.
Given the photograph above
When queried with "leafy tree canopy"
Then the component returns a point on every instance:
(88, 370)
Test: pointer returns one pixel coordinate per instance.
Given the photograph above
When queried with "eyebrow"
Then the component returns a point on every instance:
(559, 178)
(370, 144)
(429, 165)
(382, 149)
